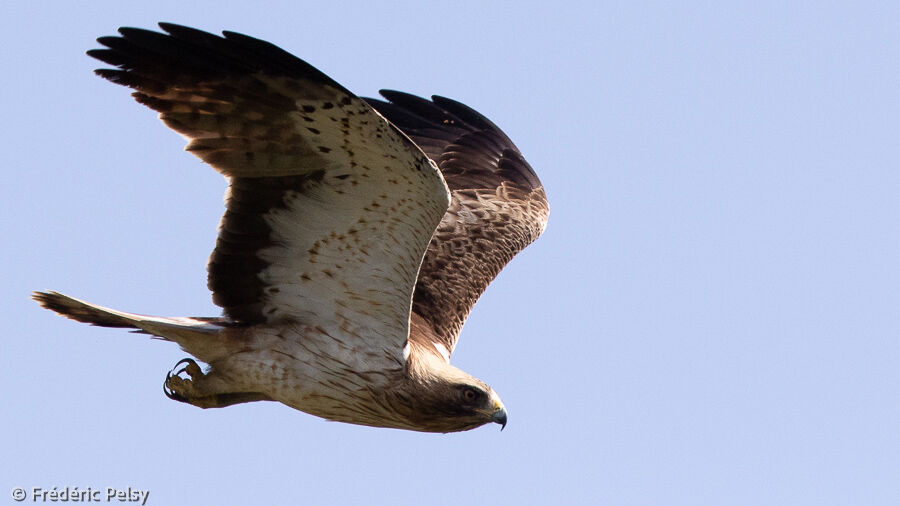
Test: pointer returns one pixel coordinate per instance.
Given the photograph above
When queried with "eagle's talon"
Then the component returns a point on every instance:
(190, 367)
(181, 388)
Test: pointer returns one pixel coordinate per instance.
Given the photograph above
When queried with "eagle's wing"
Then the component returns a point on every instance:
(498, 207)
(330, 208)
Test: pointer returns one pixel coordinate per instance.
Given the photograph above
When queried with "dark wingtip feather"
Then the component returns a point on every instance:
(397, 115)
(423, 108)
(108, 40)
(175, 28)
(105, 55)
(180, 53)
(465, 113)
(471, 150)
(123, 78)
(410, 101)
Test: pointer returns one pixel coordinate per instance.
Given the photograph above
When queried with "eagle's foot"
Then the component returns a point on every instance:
(181, 383)
(187, 383)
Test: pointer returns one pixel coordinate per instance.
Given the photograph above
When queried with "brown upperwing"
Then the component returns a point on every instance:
(498, 206)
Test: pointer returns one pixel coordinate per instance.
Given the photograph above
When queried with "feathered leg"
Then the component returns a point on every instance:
(187, 383)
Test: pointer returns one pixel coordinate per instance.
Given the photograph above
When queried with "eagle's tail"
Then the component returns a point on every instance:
(84, 312)
(201, 337)
(177, 329)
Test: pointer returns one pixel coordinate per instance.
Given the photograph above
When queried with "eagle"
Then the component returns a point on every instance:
(358, 233)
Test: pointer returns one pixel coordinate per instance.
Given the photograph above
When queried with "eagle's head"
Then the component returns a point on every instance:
(443, 398)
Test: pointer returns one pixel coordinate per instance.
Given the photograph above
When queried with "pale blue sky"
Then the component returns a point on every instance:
(712, 317)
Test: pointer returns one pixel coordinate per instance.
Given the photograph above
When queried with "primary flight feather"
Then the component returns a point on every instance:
(357, 236)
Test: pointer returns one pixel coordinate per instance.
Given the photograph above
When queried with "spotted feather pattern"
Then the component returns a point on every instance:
(329, 209)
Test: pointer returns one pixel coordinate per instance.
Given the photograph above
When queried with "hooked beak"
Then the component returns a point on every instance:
(499, 415)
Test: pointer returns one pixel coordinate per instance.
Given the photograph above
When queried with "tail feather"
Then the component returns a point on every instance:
(201, 337)
(171, 328)
(84, 312)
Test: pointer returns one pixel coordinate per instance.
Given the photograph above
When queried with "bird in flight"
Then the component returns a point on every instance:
(358, 233)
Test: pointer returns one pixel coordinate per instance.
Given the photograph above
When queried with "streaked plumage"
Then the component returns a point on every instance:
(331, 209)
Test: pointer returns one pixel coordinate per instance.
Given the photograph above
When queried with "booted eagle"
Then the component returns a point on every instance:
(358, 233)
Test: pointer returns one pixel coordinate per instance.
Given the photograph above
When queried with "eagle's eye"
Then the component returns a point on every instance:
(469, 394)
